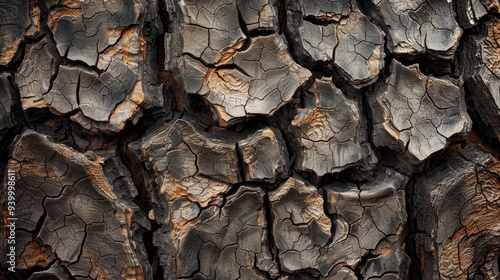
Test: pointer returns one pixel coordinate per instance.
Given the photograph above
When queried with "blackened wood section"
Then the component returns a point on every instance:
(479, 62)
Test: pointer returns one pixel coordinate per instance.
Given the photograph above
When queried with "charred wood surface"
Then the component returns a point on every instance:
(266, 139)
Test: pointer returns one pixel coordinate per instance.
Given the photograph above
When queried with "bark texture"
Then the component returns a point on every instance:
(266, 139)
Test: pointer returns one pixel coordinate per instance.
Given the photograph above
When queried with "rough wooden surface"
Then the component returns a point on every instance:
(420, 27)
(332, 131)
(66, 202)
(189, 163)
(8, 100)
(480, 60)
(459, 238)
(470, 12)
(370, 220)
(417, 115)
(14, 23)
(91, 66)
(258, 80)
(265, 156)
(266, 139)
(336, 31)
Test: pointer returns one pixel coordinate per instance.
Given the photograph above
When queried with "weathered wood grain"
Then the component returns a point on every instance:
(239, 76)
(331, 131)
(15, 20)
(189, 163)
(479, 62)
(265, 156)
(470, 12)
(354, 45)
(8, 100)
(92, 65)
(341, 229)
(417, 115)
(460, 233)
(371, 219)
(266, 139)
(420, 27)
(259, 80)
(227, 241)
(71, 213)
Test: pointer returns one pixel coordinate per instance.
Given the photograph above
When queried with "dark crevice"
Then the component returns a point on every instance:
(82, 65)
(223, 66)
(372, 12)
(82, 245)
(44, 14)
(361, 265)
(140, 180)
(248, 41)
(260, 32)
(281, 16)
(40, 221)
(367, 114)
(411, 248)
(199, 108)
(347, 88)
(304, 274)
(241, 163)
(271, 244)
(332, 217)
(283, 121)
(466, 65)
(319, 21)
(164, 17)
(233, 67)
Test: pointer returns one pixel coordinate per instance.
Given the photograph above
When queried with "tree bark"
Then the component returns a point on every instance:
(266, 139)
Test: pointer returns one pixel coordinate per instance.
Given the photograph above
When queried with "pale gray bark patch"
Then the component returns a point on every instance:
(417, 115)
(420, 27)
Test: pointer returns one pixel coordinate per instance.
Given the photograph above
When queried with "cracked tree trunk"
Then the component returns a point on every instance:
(266, 139)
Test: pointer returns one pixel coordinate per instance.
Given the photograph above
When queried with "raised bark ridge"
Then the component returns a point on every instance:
(420, 27)
(68, 204)
(239, 75)
(336, 31)
(481, 58)
(332, 131)
(417, 115)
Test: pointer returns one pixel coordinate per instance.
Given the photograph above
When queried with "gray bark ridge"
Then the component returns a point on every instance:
(420, 27)
(331, 130)
(417, 115)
